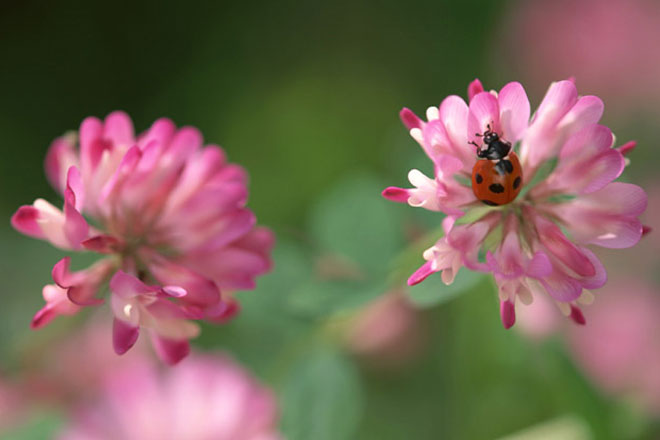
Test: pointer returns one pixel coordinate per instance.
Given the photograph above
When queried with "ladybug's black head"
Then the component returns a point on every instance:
(490, 137)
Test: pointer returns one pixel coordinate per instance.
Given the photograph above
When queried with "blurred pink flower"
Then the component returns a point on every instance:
(12, 406)
(170, 216)
(204, 398)
(538, 320)
(620, 348)
(607, 44)
(73, 368)
(388, 331)
(537, 243)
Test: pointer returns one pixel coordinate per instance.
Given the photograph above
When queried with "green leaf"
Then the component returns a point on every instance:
(41, 425)
(354, 221)
(432, 291)
(323, 298)
(322, 400)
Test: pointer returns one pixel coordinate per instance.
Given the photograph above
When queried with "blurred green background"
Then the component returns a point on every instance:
(305, 95)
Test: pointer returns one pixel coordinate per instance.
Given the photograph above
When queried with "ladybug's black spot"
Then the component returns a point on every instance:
(478, 178)
(489, 203)
(516, 183)
(496, 188)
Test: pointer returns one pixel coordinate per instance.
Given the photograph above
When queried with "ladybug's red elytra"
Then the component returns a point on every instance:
(497, 176)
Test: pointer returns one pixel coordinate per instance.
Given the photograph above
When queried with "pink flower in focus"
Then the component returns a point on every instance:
(535, 244)
(169, 217)
(620, 349)
(205, 398)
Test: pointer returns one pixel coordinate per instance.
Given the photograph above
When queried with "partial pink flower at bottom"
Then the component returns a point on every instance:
(72, 369)
(620, 348)
(205, 398)
(12, 406)
(168, 217)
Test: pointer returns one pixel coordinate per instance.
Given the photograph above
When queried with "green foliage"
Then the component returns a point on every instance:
(40, 425)
(322, 397)
(354, 221)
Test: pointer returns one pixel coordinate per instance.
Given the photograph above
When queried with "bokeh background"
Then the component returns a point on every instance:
(305, 95)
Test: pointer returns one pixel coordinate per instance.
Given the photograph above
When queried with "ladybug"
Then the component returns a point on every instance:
(497, 176)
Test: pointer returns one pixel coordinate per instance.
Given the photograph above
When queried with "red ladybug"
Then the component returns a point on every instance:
(497, 176)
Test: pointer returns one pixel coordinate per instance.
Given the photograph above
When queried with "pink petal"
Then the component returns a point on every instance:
(562, 248)
(160, 132)
(60, 157)
(454, 115)
(562, 287)
(75, 185)
(599, 278)
(420, 274)
(558, 100)
(627, 147)
(586, 111)
(170, 351)
(436, 140)
(83, 295)
(200, 290)
(186, 141)
(607, 217)
(57, 304)
(199, 168)
(577, 316)
(232, 267)
(587, 176)
(410, 119)
(76, 228)
(61, 274)
(24, 221)
(103, 244)
(128, 163)
(230, 227)
(260, 240)
(44, 316)
(91, 144)
(587, 142)
(514, 111)
(474, 88)
(127, 286)
(508, 313)
(118, 128)
(484, 112)
(544, 136)
(396, 194)
(124, 336)
(230, 310)
(162, 309)
(508, 263)
(174, 291)
(539, 266)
